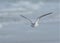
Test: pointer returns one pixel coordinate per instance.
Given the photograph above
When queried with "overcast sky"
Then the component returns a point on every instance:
(15, 29)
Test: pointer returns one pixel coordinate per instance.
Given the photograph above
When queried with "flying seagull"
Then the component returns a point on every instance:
(36, 23)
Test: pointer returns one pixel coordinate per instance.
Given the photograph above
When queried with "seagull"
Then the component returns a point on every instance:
(36, 23)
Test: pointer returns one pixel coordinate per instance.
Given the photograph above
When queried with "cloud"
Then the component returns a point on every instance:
(12, 13)
(27, 4)
(23, 6)
(1, 25)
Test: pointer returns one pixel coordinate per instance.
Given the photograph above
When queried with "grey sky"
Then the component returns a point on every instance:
(31, 0)
(15, 29)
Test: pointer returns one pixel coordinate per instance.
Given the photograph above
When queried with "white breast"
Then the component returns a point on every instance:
(36, 24)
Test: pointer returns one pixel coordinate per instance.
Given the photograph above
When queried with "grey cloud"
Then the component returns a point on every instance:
(35, 1)
(9, 19)
(21, 33)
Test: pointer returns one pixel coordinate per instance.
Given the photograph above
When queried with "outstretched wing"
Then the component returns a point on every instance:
(26, 18)
(45, 15)
(38, 19)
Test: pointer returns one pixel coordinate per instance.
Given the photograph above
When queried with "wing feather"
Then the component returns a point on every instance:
(45, 15)
(26, 18)
(38, 18)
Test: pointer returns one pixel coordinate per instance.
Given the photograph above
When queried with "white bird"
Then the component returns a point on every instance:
(36, 23)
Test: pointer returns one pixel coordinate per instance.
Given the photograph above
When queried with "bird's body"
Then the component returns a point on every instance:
(36, 23)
